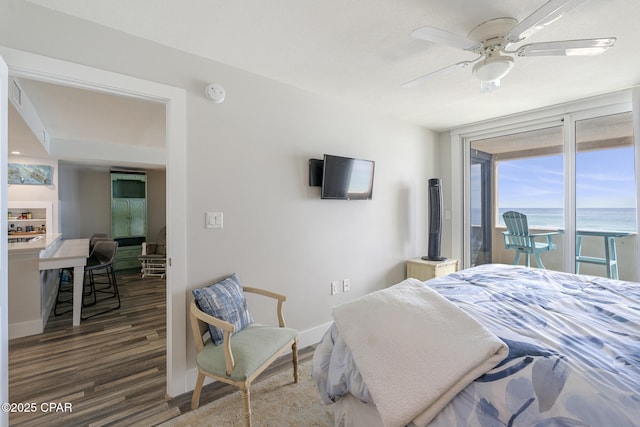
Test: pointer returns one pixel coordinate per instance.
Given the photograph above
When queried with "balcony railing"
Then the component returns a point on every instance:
(592, 246)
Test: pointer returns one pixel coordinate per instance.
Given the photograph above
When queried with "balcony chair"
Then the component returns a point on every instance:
(154, 256)
(518, 237)
(229, 346)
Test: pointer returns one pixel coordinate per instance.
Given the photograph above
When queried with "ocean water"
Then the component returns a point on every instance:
(610, 219)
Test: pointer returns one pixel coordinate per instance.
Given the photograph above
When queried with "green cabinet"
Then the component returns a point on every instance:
(128, 258)
(128, 218)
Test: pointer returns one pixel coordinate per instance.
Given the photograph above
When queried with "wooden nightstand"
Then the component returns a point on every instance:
(424, 269)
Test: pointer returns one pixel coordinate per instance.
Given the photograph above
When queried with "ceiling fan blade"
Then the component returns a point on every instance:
(419, 80)
(567, 48)
(437, 35)
(546, 15)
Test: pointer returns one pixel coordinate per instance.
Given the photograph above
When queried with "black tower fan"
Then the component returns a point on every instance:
(435, 220)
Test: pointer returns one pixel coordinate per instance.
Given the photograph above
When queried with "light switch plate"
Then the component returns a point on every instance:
(213, 220)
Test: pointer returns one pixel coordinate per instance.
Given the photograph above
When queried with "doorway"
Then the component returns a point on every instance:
(23, 64)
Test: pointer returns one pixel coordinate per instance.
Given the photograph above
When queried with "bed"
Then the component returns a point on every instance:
(557, 349)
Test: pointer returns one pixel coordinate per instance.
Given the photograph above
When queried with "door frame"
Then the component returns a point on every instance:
(486, 176)
(4, 288)
(51, 70)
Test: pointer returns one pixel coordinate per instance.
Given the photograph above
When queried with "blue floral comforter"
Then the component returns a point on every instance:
(574, 350)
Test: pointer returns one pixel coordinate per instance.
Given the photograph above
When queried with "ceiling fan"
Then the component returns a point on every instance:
(492, 40)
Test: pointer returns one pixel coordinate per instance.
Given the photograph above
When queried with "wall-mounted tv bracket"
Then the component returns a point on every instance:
(315, 172)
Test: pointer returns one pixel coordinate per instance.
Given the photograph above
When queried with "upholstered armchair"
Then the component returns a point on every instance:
(230, 347)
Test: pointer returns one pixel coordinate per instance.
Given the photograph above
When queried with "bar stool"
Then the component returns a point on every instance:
(65, 286)
(99, 271)
(96, 237)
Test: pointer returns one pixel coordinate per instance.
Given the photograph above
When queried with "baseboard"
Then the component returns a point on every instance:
(305, 339)
(23, 329)
(312, 336)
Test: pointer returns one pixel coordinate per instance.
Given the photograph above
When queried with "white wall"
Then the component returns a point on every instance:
(450, 172)
(85, 202)
(156, 203)
(85, 205)
(248, 158)
(251, 163)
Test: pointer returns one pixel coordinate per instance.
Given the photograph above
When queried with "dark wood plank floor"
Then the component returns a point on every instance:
(111, 369)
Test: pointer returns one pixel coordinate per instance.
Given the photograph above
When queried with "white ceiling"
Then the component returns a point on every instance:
(360, 52)
(73, 117)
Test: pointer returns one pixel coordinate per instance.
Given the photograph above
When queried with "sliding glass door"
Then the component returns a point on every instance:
(526, 176)
(576, 175)
(606, 229)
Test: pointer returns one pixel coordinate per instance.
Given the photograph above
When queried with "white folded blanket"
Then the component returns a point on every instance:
(415, 349)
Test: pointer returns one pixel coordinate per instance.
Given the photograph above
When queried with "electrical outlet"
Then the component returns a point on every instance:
(346, 285)
(334, 287)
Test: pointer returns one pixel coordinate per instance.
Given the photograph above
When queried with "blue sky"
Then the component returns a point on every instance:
(604, 178)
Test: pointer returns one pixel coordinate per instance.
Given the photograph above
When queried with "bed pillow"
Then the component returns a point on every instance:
(225, 301)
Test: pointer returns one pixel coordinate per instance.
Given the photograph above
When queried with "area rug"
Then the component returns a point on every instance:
(276, 401)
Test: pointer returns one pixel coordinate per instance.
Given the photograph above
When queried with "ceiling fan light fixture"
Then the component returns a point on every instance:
(493, 67)
(492, 40)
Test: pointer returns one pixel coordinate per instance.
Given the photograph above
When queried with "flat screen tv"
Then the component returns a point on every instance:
(347, 178)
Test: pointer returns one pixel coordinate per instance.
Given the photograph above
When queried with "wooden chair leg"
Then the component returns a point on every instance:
(246, 404)
(294, 357)
(195, 398)
(539, 261)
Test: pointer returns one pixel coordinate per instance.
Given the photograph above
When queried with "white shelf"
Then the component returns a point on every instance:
(42, 214)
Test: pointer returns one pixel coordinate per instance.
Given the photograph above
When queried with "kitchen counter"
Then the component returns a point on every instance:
(47, 243)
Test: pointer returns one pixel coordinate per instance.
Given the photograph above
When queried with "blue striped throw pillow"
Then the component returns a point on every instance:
(225, 301)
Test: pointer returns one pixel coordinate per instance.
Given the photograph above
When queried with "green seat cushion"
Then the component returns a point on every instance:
(251, 347)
